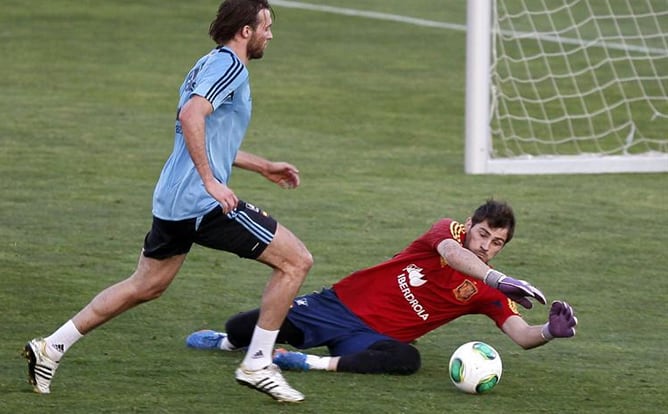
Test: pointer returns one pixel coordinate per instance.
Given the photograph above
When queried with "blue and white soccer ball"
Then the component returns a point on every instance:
(475, 367)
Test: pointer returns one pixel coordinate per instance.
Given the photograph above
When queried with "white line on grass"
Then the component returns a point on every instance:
(460, 27)
(368, 14)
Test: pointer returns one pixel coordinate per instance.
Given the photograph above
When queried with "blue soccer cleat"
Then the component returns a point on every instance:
(205, 339)
(288, 360)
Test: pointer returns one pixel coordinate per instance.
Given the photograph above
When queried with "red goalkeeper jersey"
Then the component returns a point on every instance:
(416, 291)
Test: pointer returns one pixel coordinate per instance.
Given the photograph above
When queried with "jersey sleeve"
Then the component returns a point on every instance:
(219, 77)
(500, 309)
(441, 230)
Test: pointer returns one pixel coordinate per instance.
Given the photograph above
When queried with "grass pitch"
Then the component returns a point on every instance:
(371, 111)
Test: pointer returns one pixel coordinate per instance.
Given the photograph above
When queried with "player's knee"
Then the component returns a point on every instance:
(149, 293)
(289, 255)
(407, 361)
(298, 264)
(144, 288)
(151, 278)
(305, 262)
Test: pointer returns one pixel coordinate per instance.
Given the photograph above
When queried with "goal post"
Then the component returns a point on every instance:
(567, 87)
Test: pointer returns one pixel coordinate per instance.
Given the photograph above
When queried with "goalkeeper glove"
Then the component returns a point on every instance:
(561, 322)
(518, 290)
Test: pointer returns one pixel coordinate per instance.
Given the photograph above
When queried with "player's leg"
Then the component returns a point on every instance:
(253, 234)
(165, 249)
(149, 280)
(325, 321)
(290, 262)
(239, 329)
(239, 332)
(382, 357)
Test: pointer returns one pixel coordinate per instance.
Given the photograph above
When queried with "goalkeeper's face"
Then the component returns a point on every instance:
(485, 241)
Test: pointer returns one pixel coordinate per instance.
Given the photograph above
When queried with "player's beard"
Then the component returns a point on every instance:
(255, 48)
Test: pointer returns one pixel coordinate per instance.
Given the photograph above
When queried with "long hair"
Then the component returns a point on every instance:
(233, 15)
(498, 214)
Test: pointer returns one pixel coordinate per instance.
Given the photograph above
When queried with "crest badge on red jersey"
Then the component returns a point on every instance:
(465, 291)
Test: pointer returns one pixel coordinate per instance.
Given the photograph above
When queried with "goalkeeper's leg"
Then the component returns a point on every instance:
(239, 329)
(382, 357)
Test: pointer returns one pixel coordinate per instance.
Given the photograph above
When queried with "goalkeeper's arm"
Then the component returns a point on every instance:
(465, 261)
(561, 323)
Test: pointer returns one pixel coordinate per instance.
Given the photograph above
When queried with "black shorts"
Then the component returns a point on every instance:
(246, 231)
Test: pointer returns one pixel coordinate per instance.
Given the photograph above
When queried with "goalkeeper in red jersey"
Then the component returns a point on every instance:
(368, 319)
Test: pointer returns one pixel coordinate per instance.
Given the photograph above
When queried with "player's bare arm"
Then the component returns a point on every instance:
(193, 122)
(466, 261)
(462, 259)
(525, 335)
(282, 173)
(561, 323)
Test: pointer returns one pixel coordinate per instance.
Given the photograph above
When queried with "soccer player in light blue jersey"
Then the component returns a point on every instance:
(192, 203)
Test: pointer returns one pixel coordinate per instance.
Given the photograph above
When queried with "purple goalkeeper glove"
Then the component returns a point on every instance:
(518, 290)
(561, 322)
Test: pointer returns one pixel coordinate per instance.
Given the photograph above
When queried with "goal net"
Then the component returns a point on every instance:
(568, 86)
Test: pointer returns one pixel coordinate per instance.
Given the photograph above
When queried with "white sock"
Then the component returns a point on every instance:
(226, 345)
(61, 340)
(317, 362)
(261, 349)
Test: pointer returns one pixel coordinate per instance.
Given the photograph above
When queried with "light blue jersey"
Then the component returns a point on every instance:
(222, 79)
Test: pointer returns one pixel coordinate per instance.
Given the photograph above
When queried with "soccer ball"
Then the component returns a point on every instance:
(475, 367)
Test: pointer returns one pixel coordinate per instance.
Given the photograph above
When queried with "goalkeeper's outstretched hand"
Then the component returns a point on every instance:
(518, 290)
(561, 323)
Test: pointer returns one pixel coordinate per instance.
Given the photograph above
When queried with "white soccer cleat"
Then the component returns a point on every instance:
(269, 380)
(41, 368)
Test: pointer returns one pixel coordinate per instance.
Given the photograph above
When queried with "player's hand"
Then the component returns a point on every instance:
(518, 290)
(224, 195)
(561, 321)
(284, 174)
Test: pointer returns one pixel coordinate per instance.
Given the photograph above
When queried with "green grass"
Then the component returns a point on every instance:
(372, 113)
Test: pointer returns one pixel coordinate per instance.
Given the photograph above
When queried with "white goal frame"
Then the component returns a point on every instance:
(479, 143)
